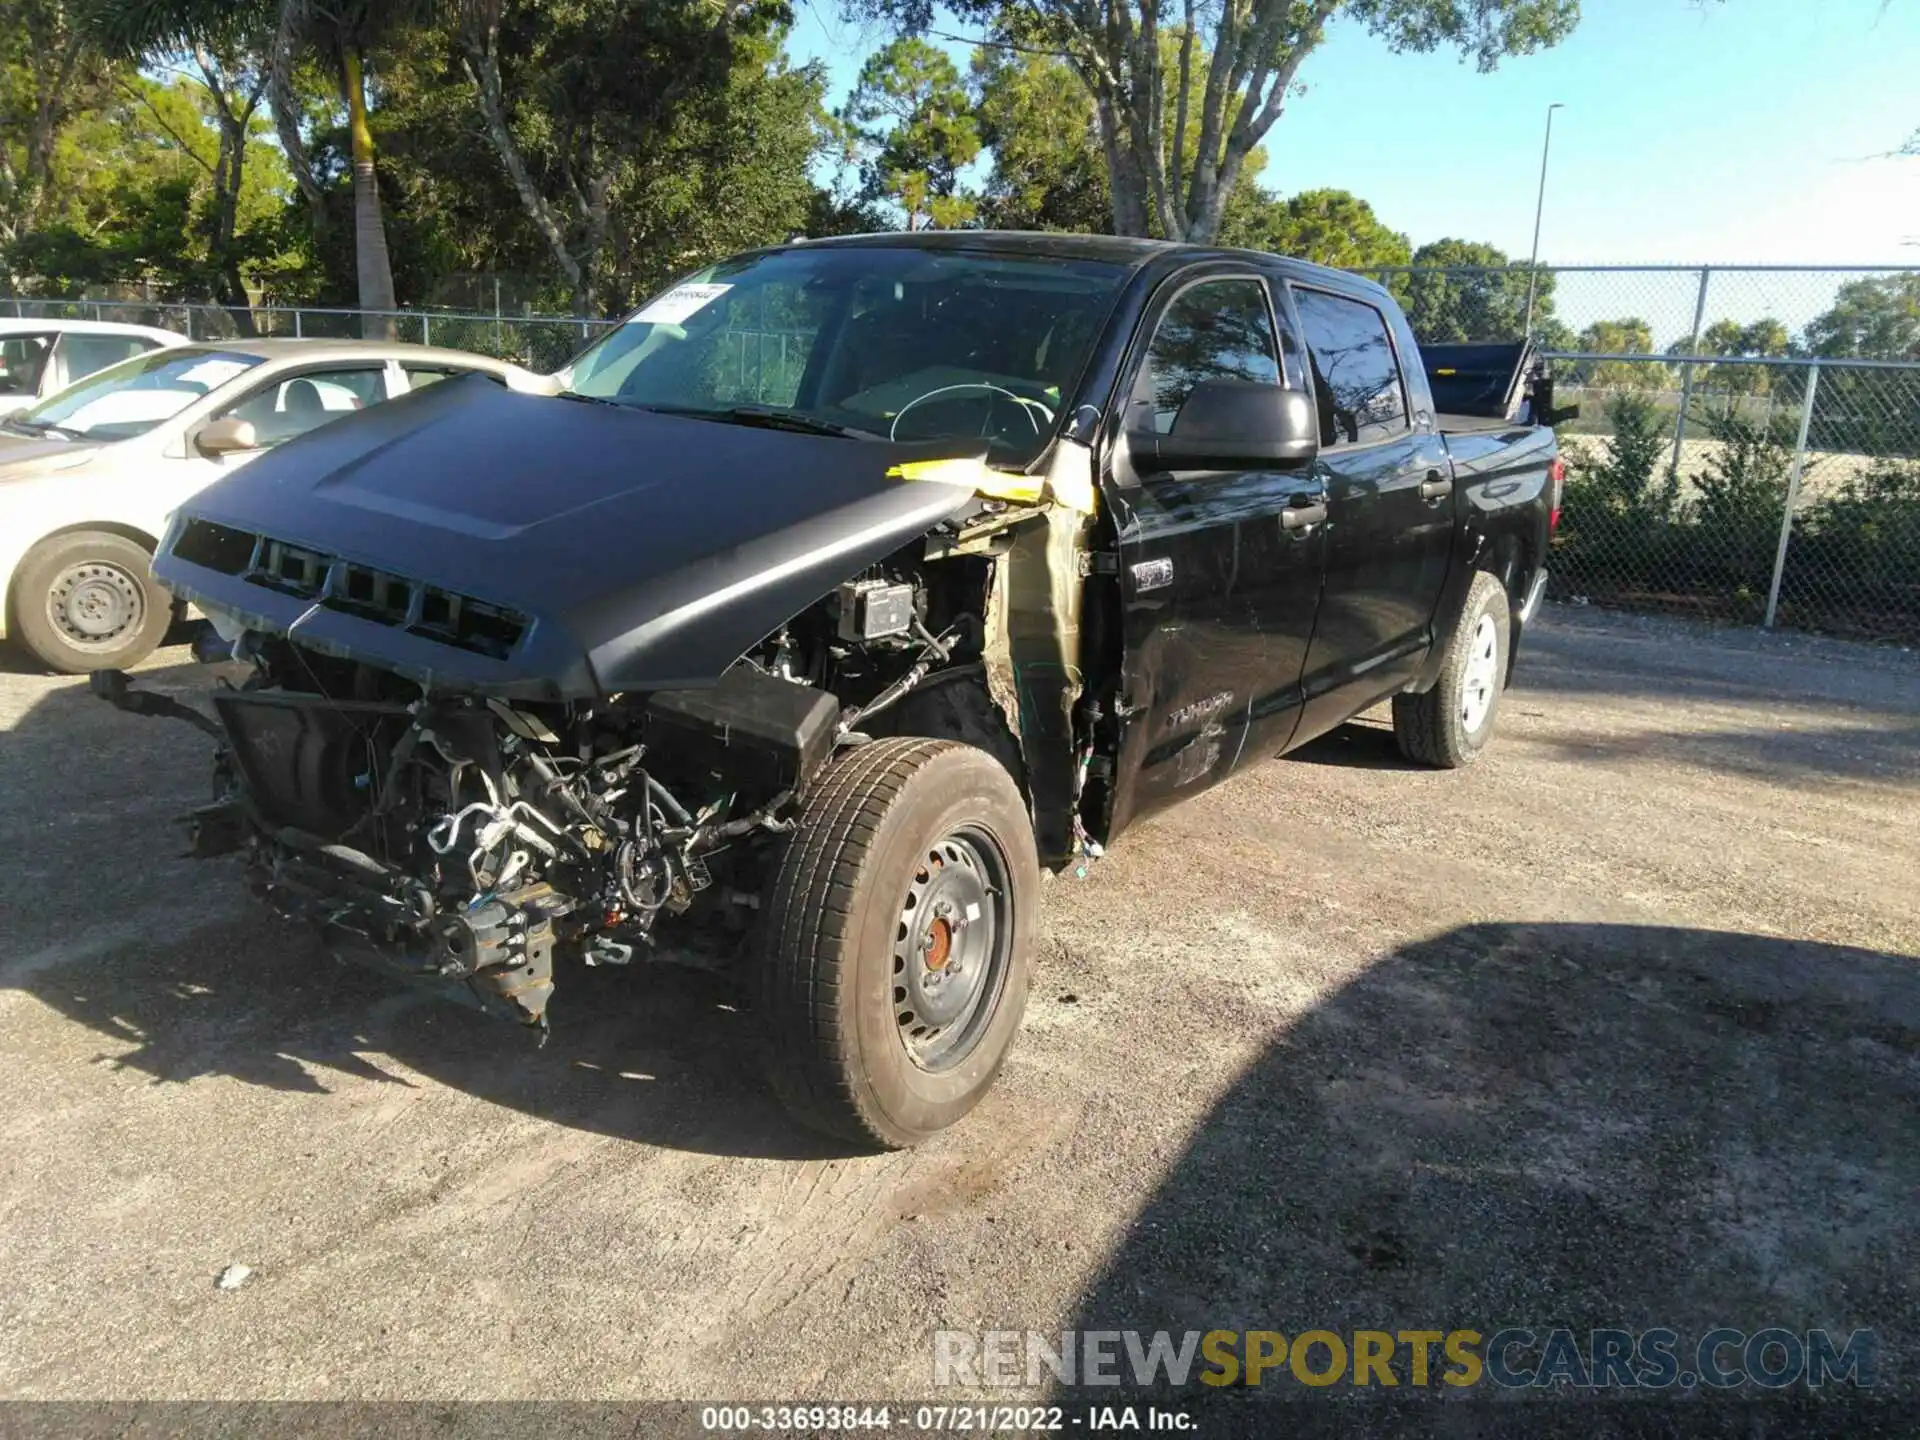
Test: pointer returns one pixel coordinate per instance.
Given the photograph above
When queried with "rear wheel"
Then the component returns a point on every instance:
(1450, 724)
(894, 971)
(88, 601)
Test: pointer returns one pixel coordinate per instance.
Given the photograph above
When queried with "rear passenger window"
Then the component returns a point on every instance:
(1218, 330)
(1356, 380)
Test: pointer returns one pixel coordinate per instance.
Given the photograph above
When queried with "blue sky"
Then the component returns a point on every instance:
(1735, 132)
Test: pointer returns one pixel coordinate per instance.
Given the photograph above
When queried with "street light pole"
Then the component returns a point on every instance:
(1539, 209)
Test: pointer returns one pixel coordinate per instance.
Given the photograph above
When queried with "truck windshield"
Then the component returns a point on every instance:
(873, 341)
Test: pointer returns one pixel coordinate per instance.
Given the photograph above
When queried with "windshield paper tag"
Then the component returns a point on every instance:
(680, 302)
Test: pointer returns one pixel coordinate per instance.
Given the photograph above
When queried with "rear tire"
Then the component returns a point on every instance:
(88, 601)
(1449, 725)
(894, 957)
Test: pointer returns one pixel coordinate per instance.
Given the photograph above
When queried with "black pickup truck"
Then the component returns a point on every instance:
(830, 597)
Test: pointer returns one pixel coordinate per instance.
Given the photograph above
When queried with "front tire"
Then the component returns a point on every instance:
(894, 966)
(1449, 725)
(88, 601)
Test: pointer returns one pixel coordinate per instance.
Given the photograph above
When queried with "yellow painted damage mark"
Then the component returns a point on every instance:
(976, 475)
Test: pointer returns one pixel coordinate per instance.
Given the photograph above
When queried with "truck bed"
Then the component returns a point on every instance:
(1475, 424)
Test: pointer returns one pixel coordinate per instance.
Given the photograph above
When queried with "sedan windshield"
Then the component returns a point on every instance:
(132, 397)
(879, 341)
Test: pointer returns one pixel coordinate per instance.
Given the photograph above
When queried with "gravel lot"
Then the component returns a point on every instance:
(1620, 1028)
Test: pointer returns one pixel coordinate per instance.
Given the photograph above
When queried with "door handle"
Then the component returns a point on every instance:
(1298, 517)
(1435, 486)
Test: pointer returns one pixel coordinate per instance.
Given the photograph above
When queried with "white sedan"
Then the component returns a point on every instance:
(89, 476)
(39, 358)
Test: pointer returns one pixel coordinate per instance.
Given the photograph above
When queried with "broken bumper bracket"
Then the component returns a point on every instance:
(113, 687)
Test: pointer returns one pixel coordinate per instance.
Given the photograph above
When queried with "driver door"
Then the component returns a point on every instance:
(1218, 593)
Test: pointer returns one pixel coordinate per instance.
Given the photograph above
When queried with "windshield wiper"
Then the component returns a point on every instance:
(42, 427)
(590, 399)
(767, 418)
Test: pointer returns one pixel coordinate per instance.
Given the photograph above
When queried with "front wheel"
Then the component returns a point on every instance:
(894, 965)
(1450, 724)
(88, 601)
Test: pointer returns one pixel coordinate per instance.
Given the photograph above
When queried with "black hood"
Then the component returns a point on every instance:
(578, 548)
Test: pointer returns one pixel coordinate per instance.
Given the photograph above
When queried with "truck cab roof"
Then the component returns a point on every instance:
(1129, 251)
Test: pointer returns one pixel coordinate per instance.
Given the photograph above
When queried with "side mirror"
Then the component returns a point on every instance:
(1233, 425)
(225, 436)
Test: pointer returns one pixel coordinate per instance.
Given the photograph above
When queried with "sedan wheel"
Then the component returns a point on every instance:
(88, 601)
(95, 605)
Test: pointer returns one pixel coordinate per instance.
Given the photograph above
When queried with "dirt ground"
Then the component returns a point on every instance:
(1619, 1028)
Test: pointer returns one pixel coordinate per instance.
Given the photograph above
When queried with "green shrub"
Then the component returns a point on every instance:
(1740, 496)
(1618, 478)
(1632, 536)
(1860, 550)
(1618, 525)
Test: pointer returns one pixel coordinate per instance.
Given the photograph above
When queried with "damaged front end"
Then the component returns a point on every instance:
(462, 839)
(472, 820)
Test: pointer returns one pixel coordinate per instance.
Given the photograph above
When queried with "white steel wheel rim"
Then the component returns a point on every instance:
(95, 605)
(1483, 674)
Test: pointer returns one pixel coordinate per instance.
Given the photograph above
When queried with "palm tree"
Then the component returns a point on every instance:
(340, 33)
(336, 34)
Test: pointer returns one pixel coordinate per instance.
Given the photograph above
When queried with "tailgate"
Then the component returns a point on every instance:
(1487, 381)
(1487, 385)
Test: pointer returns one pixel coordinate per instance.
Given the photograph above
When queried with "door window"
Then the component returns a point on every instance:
(84, 355)
(1217, 330)
(419, 377)
(282, 409)
(22, 360)
(1356, 379)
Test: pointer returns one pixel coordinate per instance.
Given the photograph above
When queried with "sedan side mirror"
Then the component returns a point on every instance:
(225, 436)
(1233, 425)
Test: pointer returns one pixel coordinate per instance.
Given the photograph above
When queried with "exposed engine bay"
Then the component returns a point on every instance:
(470, 838)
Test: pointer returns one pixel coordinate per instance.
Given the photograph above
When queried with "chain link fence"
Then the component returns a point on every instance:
(1760, 311)
(540, 342)
(1768, 492)
(1716, 469)
(1617, 311)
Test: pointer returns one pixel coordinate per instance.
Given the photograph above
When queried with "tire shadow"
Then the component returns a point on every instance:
(1356, 745)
